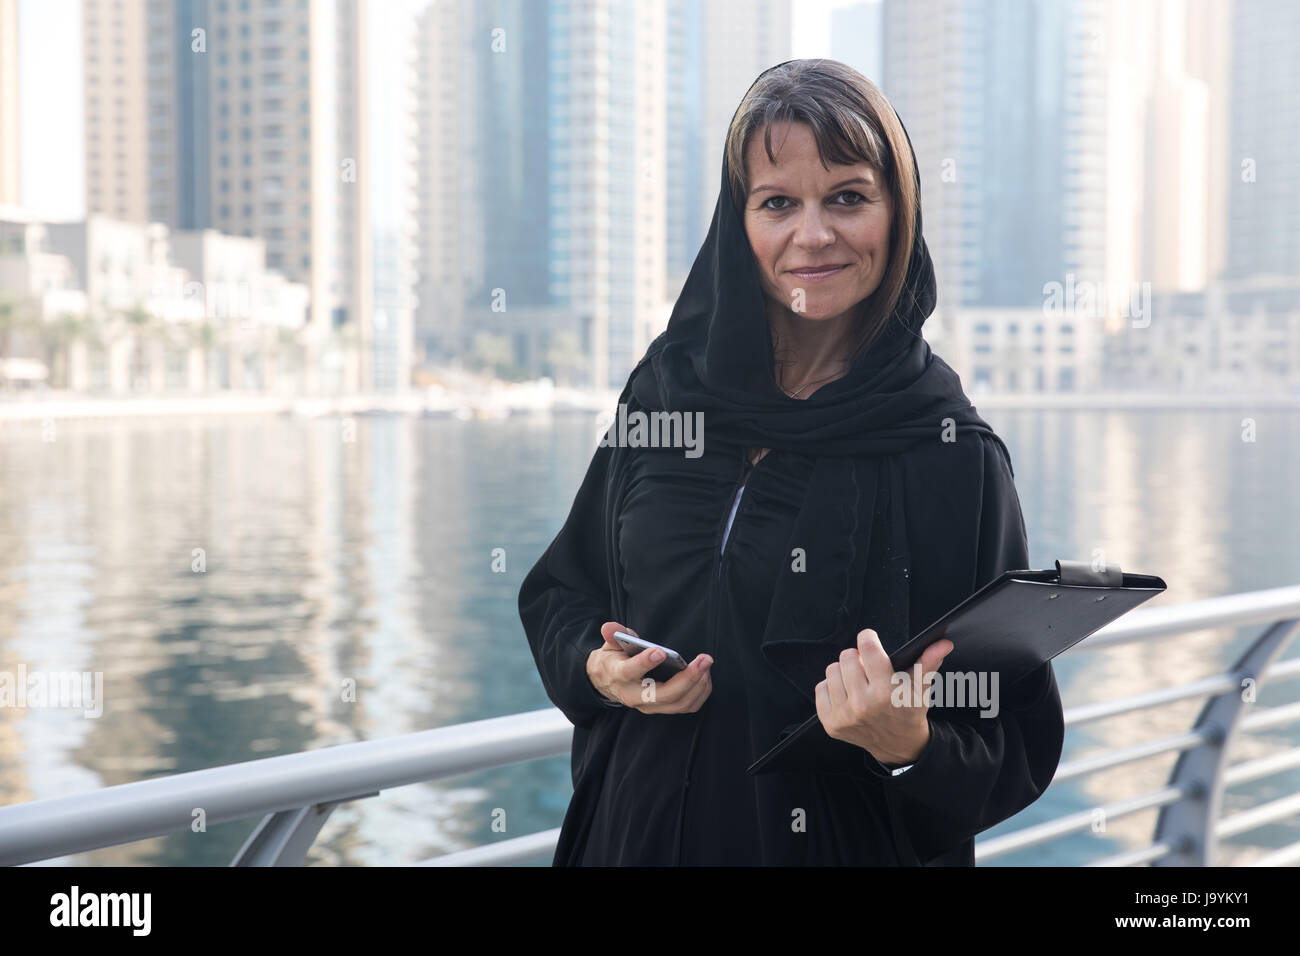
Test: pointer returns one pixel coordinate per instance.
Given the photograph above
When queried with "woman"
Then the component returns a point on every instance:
(847, 496)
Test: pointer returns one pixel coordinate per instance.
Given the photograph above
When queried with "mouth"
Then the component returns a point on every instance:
(821, 272)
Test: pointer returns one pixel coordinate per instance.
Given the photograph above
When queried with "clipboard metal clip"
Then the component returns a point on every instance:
(1080, 573)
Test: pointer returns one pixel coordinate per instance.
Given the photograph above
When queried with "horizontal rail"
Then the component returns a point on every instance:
(1256, 817)
(52, 828)
(44, 829)
(1146, 854)
(1076, 822)
(1115, 758)
(1202, 687)
(1284, 856)
(502, 853)
(1269, 717)
(1250, 770)
(1206, 614)
(533, 846)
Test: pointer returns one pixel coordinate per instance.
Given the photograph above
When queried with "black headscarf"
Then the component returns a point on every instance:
(716, 357)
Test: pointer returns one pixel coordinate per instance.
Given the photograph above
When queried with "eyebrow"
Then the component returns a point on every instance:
(847, 182)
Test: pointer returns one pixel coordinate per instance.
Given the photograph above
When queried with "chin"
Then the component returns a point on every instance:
(821, 311)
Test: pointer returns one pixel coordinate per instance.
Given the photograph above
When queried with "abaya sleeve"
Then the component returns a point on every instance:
(564, 600)
(978, 771)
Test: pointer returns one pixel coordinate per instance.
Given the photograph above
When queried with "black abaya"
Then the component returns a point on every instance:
(885, 501)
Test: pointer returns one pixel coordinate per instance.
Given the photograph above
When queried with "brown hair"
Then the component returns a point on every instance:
(852, 122)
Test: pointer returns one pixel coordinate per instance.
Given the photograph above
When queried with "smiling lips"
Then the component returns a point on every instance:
(821, 272)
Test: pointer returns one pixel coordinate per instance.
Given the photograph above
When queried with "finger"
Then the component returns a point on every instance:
(695, 699)
(929, 662)
(823, 699)
(835, 687)
(855, 680)
(697, 668)
(607, 632)
(934, 655)
(638, 665)
(875, 661)
(683, 683)
(684, 697)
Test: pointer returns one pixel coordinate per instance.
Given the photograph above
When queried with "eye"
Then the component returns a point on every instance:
(858, 197)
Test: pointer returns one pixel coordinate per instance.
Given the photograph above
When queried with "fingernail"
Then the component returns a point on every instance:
(656, 656)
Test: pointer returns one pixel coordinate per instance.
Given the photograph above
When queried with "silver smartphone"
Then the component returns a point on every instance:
(669, 666)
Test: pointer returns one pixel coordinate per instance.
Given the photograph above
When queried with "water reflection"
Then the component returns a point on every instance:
(1181, 495)
(258, 586)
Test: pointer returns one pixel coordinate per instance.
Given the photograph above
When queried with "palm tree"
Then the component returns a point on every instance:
(287, 342)
(134, 323)
(203, 336)
(490, 352)
(15, 316)
(57, 337)
(564, 354)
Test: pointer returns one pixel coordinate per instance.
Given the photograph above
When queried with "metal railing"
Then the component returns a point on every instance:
(296, 793)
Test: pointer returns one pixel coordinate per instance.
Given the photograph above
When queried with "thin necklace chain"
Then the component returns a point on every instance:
(796, 392)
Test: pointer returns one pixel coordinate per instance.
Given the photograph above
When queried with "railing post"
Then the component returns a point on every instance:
(1189, 825)
(283, 838)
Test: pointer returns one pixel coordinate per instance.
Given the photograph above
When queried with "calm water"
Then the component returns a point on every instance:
(371, 560)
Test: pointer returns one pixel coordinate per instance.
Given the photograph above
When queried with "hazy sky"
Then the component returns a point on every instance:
(49, 55)
(49, 90)
(810, 26)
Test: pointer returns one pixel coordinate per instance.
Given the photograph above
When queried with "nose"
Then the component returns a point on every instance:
(812, 228)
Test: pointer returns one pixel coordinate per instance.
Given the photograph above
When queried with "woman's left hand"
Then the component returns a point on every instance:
(854, 702)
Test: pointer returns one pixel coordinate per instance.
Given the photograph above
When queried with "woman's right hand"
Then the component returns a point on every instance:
(618, 676)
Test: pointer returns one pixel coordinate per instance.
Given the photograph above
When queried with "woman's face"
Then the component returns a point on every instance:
(801, 216)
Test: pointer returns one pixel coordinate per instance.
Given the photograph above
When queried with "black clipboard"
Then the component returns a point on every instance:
(1012, 625)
